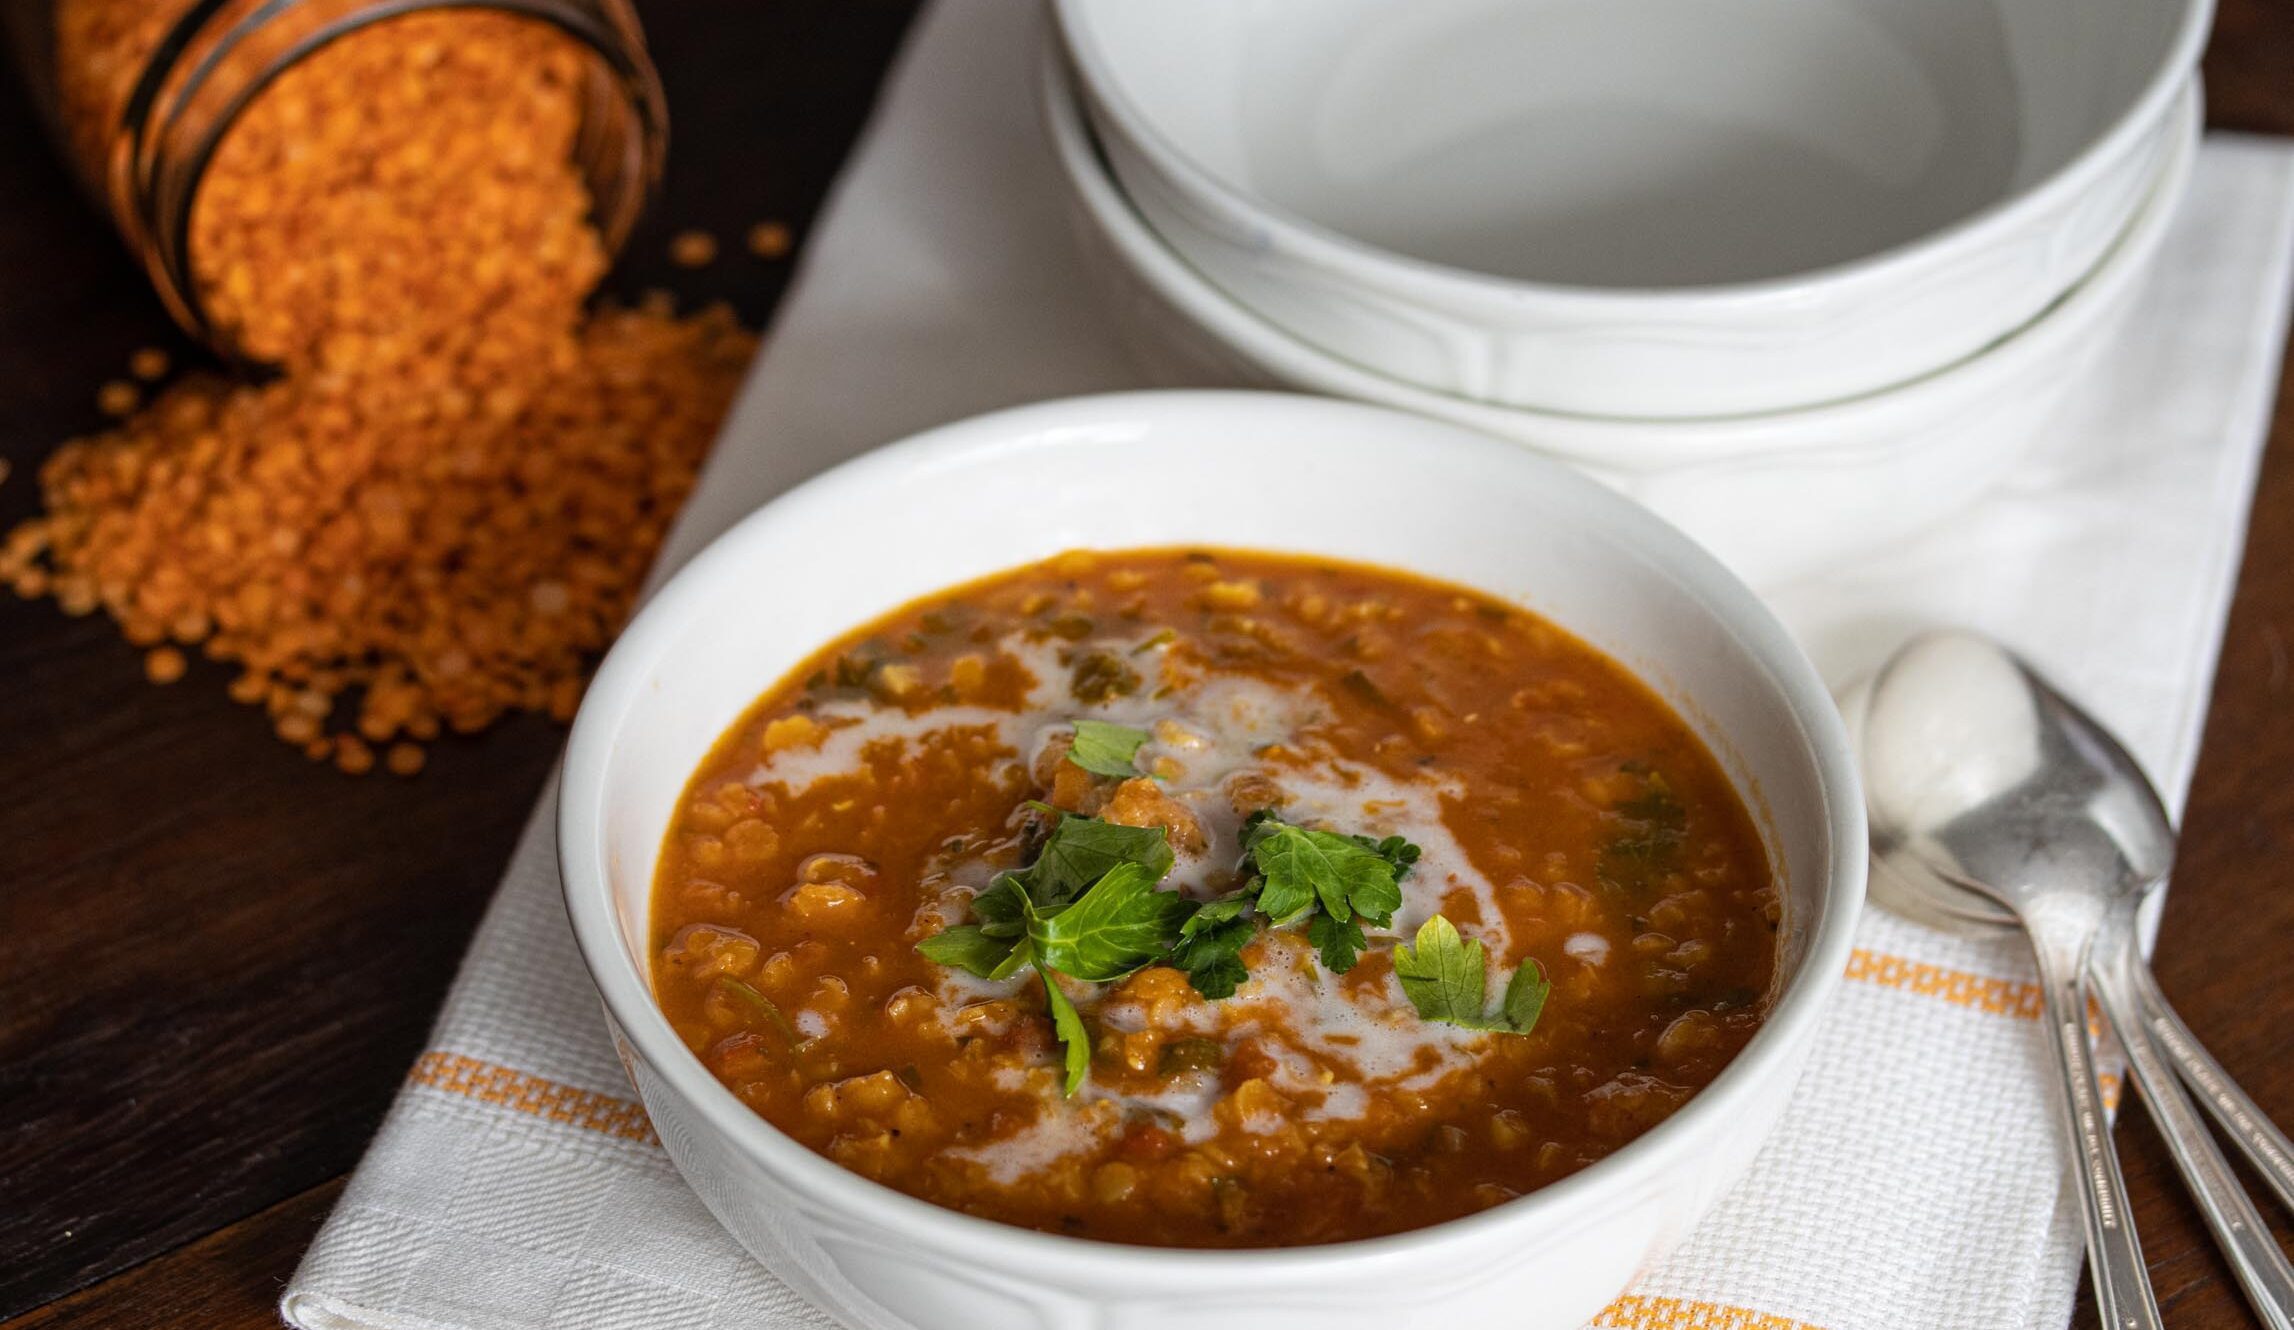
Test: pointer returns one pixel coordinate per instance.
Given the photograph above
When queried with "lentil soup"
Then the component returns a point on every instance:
(1212, 899)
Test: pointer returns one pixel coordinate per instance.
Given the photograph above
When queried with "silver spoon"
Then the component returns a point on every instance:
(1995, 800)
(2147, 1025)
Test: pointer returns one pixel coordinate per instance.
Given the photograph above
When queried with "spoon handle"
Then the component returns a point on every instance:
(2123, 1299)
(2267, 1147)
(2242, 1233)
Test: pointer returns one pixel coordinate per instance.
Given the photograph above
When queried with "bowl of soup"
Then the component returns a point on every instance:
(1209, 856)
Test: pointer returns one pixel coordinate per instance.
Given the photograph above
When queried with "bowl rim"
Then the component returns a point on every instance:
(1010, 435)
(1422, 279)
(1615, 443)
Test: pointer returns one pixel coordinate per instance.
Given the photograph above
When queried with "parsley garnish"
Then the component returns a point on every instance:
(1120, 925)
(1343, 882)
(1067, 1023)
(1338, 941)
(1211, 945)
(1332, 883)
(1091, 908)
(1447, 979)
(968, 947)
(1082, 849)
(1088, 908)
(1078, 858)
(1104, 749)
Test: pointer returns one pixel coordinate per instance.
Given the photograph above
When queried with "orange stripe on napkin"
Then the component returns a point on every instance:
(505, 1087)
(2000, 997)
(1633, 1312)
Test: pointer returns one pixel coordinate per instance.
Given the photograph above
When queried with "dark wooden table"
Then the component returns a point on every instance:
(217, 962)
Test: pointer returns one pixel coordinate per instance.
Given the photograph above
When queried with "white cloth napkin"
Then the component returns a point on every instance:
(1914, 1182)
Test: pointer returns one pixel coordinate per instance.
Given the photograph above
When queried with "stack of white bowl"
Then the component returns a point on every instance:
(1803, 275)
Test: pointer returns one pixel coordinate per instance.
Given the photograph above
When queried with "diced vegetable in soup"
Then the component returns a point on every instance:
(1205, 898)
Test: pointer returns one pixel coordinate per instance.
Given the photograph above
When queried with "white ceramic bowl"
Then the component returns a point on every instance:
(1656, 209)
(1166, 468)
(1773, 495)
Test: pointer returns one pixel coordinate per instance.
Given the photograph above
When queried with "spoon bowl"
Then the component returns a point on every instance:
(1980, 776)
(1904, 888)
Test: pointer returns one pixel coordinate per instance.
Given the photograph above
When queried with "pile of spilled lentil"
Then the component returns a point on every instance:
(439, 507)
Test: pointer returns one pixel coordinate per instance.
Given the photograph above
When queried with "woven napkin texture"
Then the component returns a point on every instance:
(1914, 1182)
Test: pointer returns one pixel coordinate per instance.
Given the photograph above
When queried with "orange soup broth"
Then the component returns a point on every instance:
(1568, 817)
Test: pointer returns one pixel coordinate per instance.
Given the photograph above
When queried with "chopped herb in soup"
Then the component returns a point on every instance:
(1203, 898)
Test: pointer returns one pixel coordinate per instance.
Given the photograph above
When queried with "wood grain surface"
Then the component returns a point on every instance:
(217, 961)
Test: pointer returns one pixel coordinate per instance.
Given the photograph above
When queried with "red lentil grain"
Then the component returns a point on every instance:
(164, 665)
(693, 249)
(352, 756)
(769, 240)
(118, 398)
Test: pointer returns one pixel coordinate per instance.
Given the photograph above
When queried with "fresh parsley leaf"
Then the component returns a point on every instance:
(1023, 956)
(1120, 925)
(1345, 875)
(1226, 909)
(1088, 907)
(1334, 883)
(997, 946)
(1081, 850)
(1002, 908)
(1067, 1023)
(1211, 943)
(1444, 975)
(1397, 852)
(1286, 903)
(1105, 749)
(978, 949)
(967, 947)
(1446, 978)
(1216, 971)
(1339, 940)
(1525, 997)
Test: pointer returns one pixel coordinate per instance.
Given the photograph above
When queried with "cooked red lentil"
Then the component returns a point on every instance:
(899, 784)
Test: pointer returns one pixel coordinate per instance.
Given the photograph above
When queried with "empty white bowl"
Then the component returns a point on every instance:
(1123, 471)
(1773, 495)
(1657, 209)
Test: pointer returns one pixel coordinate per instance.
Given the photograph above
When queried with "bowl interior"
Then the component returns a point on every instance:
(1259, 471)
(1674, 143)
(1616, 446)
